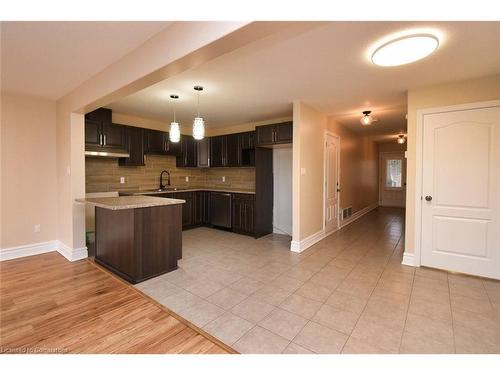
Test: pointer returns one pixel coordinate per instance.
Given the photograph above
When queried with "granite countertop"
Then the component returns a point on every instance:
(185, 189)
(128, 202)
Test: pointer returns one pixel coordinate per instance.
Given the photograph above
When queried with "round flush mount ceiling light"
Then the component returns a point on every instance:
(404, 49)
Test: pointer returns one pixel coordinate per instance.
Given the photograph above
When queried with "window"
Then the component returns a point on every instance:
(393, 173)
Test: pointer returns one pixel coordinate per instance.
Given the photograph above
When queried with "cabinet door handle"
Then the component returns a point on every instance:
(100, 139)
(104, 139)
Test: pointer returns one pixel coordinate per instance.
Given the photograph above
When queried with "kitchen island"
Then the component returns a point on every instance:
(137, 237)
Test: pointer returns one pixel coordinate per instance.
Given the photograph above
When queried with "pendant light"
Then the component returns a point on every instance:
(401, 139)
(198, 123)
(175, 130)
(367, 119)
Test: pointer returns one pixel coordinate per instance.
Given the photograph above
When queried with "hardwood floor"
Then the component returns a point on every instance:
(49, 305)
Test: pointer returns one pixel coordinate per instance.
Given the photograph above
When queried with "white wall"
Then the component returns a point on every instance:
(282, 176)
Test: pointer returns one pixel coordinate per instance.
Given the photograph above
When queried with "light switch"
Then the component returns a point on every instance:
(122, 180)
(36, 228)
(302, 171)
(223, 178)
(187, 178)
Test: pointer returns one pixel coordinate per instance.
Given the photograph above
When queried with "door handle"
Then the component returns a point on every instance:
(428, 198)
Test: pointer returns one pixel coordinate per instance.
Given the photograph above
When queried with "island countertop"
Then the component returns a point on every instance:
(129, 202)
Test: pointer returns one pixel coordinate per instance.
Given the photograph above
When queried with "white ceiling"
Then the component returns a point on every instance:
(50, 59)
(327, 68)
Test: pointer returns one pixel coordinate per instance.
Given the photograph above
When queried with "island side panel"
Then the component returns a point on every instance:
(158, 239)
(114, 243)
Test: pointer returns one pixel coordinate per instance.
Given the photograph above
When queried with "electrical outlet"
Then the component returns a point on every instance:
(223, 178)
(187, 178)
(37, 228)
(122, 180)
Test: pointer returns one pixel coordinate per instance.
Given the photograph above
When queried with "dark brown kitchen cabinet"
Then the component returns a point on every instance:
(201, 214)
(225, 151)
(187, 208)
(247, 149)
(100, 132)
(188, 155)
(232, 150)
(217, 151)
(134, 144)
(203, 153)
(158, 142)
(265, 135)
(243, 216)
(274, 134)
(247, 140)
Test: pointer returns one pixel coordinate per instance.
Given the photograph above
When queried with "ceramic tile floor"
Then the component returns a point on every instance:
(348, 293)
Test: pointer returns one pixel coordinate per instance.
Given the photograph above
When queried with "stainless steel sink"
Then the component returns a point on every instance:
(170, 188)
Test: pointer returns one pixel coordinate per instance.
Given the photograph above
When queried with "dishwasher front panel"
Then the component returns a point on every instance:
(220, 209)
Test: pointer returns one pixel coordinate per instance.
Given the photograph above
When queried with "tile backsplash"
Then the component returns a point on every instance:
(103, 174)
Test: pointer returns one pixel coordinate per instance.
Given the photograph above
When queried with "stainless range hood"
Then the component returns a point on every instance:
(106, 153)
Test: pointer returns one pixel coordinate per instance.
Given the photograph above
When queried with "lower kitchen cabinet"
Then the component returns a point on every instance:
(201, 212)
(243, 216)
(187, 208)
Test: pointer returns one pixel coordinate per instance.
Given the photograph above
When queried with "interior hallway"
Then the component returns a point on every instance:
(347, 294)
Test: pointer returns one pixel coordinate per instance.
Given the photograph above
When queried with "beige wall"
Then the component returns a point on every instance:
(29, 185)
(358, 169)
(246, 127)
(475, 90)
(391, 146)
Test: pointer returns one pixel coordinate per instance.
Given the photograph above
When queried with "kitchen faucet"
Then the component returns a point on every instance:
(162, 185)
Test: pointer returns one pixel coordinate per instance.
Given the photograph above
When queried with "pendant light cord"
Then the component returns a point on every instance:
(198, 104)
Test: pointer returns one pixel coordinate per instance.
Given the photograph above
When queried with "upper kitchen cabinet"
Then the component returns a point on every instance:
(247, 146)
(157, 142)
(274, 134)
(217, 151)
(188, 155)
(232, 150)
(134, 143)
(203, 153)
(101, 133)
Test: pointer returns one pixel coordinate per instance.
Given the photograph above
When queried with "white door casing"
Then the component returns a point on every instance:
(460, 227)
(392, 191)
(331, 182)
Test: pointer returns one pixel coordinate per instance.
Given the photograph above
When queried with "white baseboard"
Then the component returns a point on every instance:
(409, 259)
(72, 254)
(41, 248)
(300, 246)
(359, 214)
(28, 250)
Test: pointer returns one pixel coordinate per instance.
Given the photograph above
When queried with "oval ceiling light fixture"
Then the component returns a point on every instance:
(404, 49)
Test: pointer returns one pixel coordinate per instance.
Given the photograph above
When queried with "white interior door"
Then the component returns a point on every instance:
(392, 188)
(331, 182)
(461, 191)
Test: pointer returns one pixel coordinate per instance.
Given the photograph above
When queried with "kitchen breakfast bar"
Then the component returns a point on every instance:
(137, 237)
